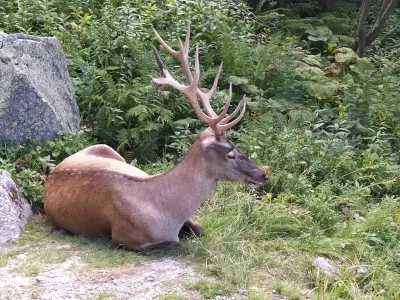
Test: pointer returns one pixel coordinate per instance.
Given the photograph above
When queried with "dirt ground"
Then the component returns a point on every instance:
(48, 265)
(149, 280)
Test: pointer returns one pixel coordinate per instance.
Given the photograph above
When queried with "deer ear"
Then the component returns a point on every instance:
(219, 147)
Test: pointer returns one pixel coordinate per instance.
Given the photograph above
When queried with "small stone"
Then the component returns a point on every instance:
(39, 280)
(217, 298)
(149, 278)
(324, 265)
(362, 270)
(243, 292)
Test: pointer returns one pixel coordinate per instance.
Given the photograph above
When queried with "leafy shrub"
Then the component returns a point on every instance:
(29, 164)
(320, 39)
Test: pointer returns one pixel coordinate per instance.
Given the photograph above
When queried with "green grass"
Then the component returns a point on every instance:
(50, 256)
(36, 259)
(254, 243)
(288, 290)
(5, 257)
(209, 288)
(109, 258)
(104, 296)
(98, 253)
(37, 231)
(258, 243)
(240, 251)
(270, 245)
(28, 268)
(95, 253)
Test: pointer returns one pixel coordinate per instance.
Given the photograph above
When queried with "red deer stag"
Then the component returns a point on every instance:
(95, 191)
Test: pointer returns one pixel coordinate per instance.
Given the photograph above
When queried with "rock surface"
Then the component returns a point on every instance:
(14, 209)
(37, 99)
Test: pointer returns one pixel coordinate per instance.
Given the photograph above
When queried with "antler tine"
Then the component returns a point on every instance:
(226, 107)
(182, 54)
(206, 97)
(164, 44)
(224, 125)
(218, 118)
(218, 123)
(210, 120)
(234, 113)
(190, 91)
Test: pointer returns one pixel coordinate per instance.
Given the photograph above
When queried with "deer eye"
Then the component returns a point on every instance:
(231, 155)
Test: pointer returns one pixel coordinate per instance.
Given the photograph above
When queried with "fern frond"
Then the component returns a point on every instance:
(165, 115)
(147, 127)
(187, 122)
(299, 26)
(338, 25)
(302, 8)
(141, 112)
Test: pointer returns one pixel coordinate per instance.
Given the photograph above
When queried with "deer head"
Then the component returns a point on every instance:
(225, 160)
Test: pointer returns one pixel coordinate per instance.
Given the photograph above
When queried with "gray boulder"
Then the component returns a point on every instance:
(14, 209)
(37, 99)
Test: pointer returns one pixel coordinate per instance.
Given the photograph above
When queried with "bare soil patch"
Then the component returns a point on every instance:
(47, 267)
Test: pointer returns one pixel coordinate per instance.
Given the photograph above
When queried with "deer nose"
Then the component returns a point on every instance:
(259, 175)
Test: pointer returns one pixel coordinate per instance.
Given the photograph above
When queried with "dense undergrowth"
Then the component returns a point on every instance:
(324, 119)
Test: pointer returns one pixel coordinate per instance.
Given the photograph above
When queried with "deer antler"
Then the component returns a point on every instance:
(219, 123)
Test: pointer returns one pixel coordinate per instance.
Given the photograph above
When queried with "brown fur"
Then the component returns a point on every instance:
(95, 191)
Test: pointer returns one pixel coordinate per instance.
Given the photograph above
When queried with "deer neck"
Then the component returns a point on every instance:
(185, 187)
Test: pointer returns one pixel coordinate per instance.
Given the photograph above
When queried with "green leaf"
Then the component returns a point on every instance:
(140, 112)
(321, 90)
(319, 34)
(237, 80)
(311, 61)
(251, 89)
(310, 73)
(345, 55)
(364, 65)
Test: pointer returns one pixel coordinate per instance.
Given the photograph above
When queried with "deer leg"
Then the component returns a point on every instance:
(126, 236)
(191, 227)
